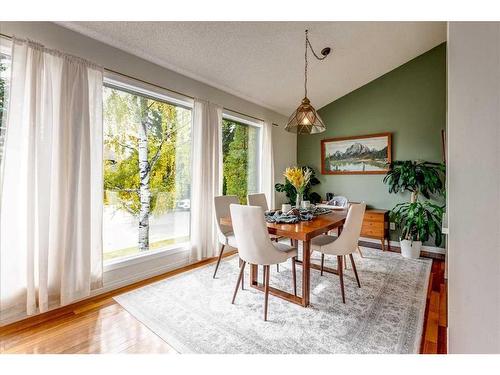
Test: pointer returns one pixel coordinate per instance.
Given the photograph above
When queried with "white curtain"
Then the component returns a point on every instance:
(51, 197)
(206, 178)
(267, 164)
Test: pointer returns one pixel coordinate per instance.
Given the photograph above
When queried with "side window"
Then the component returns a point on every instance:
(241, 157)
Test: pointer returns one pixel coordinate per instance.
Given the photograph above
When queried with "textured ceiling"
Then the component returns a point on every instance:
(263, 62)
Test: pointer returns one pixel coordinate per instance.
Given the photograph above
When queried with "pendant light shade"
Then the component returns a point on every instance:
(305, 120)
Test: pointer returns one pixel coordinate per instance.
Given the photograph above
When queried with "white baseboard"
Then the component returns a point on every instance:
(429, 249)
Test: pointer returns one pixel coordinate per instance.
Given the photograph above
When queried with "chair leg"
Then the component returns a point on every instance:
(360, 253)
(322, 262)
(291, 242)
(340, 269)
(267, 270)
(242, 269)
(294, 276)
(345, 262)
(354, 269)
(277, 267)
(218, 260)
(242, 278)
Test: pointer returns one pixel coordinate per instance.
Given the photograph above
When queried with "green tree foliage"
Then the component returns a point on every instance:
(235, 159)
(239, 143)
(168, 140)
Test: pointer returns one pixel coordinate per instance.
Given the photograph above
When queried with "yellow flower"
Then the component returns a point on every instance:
(298, 177)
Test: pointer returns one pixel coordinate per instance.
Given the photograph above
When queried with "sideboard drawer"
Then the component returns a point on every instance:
(376, 225)
(370, 216)
(366, 232)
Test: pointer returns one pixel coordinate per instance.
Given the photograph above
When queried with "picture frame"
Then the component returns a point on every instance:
(360, 154)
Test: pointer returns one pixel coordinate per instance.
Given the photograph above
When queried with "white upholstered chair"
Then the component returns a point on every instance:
(338, 201)
(255, 246)
(345, 244)
(225, 233)
(342, 202)
(260, 200)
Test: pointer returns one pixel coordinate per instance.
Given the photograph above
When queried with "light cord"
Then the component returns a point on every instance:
(308, 44)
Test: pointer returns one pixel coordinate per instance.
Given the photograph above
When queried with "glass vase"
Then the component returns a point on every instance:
(298, 200)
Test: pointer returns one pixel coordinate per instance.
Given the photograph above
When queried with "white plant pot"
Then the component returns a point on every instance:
(410, 249)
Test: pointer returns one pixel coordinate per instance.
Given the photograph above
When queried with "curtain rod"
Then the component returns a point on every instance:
(161, 87)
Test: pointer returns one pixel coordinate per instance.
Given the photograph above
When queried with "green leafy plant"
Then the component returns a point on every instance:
(417, 177)
(291, 192)
(417, 221)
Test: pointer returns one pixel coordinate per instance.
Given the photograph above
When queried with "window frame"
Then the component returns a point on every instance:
(249, 121)
(137, 87)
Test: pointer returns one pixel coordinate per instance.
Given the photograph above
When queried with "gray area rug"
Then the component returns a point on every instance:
(193, 312)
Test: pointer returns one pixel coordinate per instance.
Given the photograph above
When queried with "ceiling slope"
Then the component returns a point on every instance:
(263, 62)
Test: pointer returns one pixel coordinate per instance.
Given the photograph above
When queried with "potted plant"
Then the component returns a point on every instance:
(291, 191)
(416, 221)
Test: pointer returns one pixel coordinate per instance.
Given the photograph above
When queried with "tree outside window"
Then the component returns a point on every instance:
(240, 150)
(147, 173)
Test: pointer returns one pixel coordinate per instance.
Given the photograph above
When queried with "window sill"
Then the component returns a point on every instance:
(140, 258)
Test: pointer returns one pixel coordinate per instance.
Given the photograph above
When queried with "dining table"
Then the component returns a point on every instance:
(303, 231)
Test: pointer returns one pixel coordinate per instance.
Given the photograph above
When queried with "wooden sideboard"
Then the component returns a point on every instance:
(376, 225)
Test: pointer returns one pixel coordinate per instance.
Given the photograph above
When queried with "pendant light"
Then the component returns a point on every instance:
(305, 119)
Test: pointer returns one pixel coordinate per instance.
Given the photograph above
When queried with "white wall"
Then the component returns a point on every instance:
(55, 36)
(474, 187)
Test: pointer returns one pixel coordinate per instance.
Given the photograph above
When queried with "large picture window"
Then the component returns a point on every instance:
(240, 155)
(147, 172)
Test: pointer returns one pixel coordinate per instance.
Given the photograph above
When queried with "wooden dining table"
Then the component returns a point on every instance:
(303, 231)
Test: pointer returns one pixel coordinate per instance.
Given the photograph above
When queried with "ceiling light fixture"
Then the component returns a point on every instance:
(305, 119)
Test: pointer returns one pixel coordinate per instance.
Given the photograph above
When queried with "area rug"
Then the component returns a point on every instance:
(193, 312)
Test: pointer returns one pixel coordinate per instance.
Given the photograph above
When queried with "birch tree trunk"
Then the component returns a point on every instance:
(144, 191)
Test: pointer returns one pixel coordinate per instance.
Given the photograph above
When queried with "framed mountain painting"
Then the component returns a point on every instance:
(367, 154)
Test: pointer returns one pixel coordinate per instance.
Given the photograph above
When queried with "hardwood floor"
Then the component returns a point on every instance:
(100, 325)
(434, 339)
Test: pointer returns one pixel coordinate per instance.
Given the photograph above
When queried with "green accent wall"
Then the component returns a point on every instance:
(409, 102)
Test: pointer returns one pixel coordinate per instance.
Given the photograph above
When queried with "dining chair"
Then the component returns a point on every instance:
(338, 201)
(345, 244)
(255, 247)
(260, 200)
(225, 233)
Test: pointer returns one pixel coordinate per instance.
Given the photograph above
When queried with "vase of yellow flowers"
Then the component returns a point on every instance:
(299, 178)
